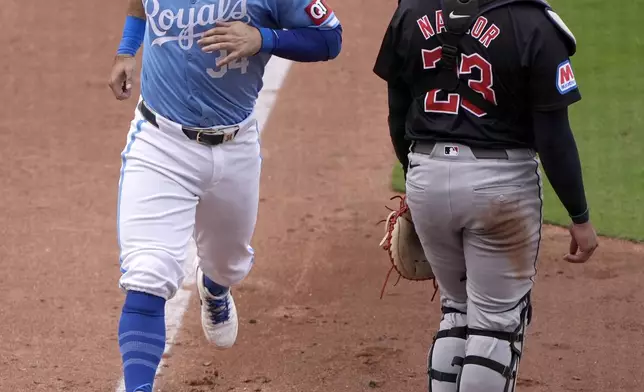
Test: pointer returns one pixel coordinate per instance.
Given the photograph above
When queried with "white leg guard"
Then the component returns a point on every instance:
(491, 363)
(448, 347)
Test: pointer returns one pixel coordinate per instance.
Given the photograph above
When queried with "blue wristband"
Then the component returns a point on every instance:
(133, 34)
(268, 39)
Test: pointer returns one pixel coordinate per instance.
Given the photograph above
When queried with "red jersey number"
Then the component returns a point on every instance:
(454, 101)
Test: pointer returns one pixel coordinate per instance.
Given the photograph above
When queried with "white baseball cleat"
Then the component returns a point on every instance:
(218, 315)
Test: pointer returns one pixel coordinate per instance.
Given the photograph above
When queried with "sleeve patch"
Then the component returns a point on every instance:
(318, 11)
(566, 81)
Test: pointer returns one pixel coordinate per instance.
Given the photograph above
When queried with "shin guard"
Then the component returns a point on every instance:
(447, 351)
(491, 363)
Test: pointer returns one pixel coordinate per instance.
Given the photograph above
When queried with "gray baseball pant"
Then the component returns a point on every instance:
(478, 214)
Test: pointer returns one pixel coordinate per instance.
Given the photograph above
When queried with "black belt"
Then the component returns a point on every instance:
(207, 136)
(479, 153)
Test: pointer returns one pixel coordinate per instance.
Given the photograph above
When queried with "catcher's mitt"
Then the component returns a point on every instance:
(404, 248)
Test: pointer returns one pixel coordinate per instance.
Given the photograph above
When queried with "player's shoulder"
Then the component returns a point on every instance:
(523, 16)
(534, 15)
(537, 17)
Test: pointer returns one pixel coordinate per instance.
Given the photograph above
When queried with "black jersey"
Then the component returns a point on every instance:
(516, 56)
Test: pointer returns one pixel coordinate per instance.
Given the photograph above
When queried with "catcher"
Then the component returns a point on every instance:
(478, 88)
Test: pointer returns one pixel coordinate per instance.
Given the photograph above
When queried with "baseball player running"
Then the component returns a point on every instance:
(476, 89)
(191, 165)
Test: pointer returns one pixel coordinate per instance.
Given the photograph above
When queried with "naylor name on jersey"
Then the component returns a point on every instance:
(480, 30)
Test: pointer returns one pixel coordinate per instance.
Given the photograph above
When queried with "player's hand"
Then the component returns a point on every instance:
(583, 243)
(121, 76)
(237, 38)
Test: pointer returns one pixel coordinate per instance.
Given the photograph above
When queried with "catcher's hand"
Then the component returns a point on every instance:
(404, 248)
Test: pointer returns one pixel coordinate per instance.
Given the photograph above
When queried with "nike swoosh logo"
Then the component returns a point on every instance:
(452, 15)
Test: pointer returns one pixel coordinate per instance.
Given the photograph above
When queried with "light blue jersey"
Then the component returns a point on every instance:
(182, 83)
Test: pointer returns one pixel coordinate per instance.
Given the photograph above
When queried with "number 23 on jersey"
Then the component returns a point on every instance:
(454, 101)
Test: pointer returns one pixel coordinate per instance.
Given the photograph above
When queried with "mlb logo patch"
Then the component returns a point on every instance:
(566, 81)
(451, 151)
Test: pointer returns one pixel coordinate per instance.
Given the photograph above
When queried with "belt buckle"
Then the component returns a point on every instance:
(206, 132)
(226, 136)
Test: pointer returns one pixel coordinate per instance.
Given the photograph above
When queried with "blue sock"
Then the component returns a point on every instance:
(141, 339)
(214, 288)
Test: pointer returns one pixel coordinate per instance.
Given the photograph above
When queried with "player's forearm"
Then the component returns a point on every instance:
(303, 44)
(560, 159)
(399, 102)
(133, 30)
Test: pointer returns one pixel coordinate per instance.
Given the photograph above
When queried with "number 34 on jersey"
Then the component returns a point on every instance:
(240, 64)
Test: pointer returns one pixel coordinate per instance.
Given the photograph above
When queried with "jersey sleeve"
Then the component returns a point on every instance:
(389, 62)
(552, 80)
(292, 14)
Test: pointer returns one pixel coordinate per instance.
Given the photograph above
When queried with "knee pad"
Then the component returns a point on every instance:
(447, 351)
(491, 362)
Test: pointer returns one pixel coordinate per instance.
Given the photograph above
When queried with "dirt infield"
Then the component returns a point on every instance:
(310, 313)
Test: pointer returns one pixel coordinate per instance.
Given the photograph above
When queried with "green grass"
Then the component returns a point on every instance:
(398, 178)
(609, 121)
